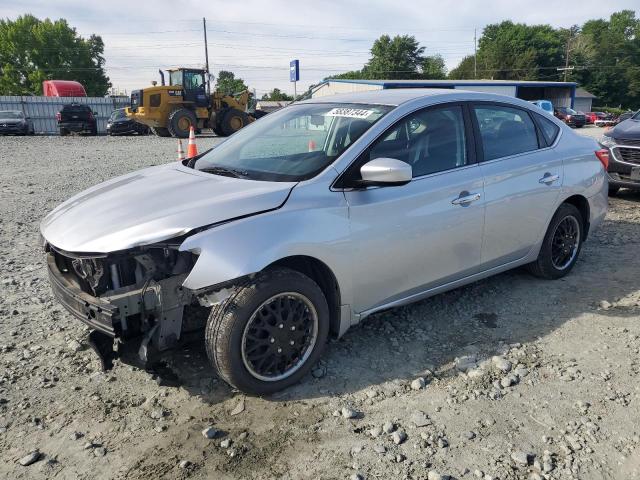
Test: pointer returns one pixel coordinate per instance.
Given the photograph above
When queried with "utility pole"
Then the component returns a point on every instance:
(566, 58)
(572, 31)
(206, 54)
(475, 54)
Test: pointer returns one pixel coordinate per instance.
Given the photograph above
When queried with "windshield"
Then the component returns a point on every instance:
(175, 77)
(11, 114)
(292, 144)
(570, 111)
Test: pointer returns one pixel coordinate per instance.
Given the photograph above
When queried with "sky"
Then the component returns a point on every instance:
(256, 39)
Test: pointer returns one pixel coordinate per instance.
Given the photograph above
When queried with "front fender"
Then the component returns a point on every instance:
(248, 245)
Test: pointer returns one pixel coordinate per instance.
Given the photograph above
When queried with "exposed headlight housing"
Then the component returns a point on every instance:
(607, 141)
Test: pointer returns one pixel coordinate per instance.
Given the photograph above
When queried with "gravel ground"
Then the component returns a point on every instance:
(510, 378)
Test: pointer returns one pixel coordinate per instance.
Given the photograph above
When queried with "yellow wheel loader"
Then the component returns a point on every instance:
(170, 110)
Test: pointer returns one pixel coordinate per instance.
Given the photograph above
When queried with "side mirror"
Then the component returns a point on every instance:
(385, 172)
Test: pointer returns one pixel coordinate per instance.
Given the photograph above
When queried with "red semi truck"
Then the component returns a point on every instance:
(63, 88)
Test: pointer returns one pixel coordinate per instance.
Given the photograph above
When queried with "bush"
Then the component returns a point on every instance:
(613, 110)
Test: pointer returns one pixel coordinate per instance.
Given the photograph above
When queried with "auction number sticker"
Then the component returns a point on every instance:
(349, 112)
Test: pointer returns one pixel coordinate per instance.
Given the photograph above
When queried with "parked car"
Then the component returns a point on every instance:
(545, 105)
(590, 118)
(318, 215)
(623, 143)
(624, 116)
(15, 122)
(570, 117)
(78, 118)
(119, 124)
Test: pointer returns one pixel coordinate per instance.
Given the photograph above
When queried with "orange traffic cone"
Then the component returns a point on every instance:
(192, 150)
(180, 151)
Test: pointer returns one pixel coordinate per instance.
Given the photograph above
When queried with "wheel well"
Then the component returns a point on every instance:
(582, 204)
(320, 273)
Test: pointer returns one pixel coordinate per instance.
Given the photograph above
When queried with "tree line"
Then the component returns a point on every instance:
(603, 56)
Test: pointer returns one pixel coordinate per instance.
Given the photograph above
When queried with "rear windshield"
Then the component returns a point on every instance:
(11, 114)
(118, 114)
(292, 144)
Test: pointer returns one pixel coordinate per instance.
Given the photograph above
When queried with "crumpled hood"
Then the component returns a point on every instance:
(627, 130)
(153, 205)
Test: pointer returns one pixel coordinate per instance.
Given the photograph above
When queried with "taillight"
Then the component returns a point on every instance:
(603, 156)
(58, 116)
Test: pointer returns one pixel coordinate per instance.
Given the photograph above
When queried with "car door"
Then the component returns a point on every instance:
(522, 181)
(425, 233)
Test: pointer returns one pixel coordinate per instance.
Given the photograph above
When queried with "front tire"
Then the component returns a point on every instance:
(232, 121)
(613, 191)
(269, 332)
(180, 122)
(561, 245)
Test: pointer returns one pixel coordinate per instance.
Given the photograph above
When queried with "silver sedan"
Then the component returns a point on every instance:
(314, 217)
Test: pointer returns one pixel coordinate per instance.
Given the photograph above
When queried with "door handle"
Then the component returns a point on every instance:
(548, 179)
(466, 198)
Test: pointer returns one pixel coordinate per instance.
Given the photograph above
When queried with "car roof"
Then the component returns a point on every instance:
(398, 96)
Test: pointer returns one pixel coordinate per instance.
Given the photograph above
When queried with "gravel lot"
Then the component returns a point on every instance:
(510, 378)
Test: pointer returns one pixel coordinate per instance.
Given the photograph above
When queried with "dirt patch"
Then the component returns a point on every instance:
(522, 378)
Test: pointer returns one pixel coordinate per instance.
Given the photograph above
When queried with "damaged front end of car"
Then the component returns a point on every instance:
(136, 295)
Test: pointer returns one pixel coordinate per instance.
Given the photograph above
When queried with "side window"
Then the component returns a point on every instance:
(430, 140)
(549, 129)
(505, 131)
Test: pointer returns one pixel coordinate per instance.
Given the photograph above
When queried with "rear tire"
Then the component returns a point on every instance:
(232, 121)
(613, 191)
(180, 121)
(561, 245)
(160, 131)
(279, 302)
(64, 132)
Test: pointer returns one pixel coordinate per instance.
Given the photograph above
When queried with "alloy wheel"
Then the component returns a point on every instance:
(280, 336)
(565, 242)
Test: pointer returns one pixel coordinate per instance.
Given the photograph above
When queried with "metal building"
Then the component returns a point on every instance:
(561, 94)
(584, 100)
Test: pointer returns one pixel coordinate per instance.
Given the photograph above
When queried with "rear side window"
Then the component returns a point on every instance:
(505, 131)
(549, 129)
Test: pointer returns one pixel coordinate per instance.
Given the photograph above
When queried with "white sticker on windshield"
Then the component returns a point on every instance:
(349, 112)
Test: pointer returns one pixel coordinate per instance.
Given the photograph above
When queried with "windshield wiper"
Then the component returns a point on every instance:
(229, 172)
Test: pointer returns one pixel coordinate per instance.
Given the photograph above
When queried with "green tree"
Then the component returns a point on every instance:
(228, 84)
(464, 70)
(515, 51)
(433, 68)
(277, 95)
(33, 50)
(400, 57)
(606, 56)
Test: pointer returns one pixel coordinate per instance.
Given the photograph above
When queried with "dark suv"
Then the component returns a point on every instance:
(570, 117)
(75, 117)
(623, 142)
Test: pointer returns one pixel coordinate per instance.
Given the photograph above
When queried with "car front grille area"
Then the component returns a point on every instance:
(629, 155)
(631, 143)
(98, 276)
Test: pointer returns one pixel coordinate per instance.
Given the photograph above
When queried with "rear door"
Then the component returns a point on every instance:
(428, 232)
(522, 181)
